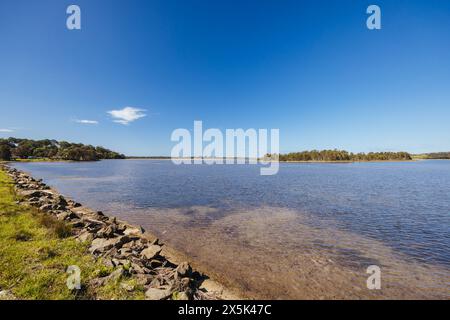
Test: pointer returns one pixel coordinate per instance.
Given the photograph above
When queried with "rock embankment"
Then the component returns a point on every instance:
(122, 246)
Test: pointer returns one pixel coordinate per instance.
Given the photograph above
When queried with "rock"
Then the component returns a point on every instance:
(6, 295)
(62, 216)
(156, 282)
(33, 199)
(73, 215)
(129, 245)
(107, 232)
(138, 246)
(121, 240)
(142, 279)
(60, 201)
(100, 216)
(135, 268)
(58, 207)
(101, 245)
(125, 251)
(157, 294)
(37, 194)
(151, 251)
(213, 288)
(184, 270)
(85, 237)
(77, 225)
(186, 282)
(46, 207)
(92, 225)
(135, 231)
(73, 204)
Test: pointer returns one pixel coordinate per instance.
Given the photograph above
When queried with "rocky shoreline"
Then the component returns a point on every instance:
(122, 246)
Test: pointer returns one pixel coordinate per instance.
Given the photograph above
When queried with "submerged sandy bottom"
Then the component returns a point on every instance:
(275, 253)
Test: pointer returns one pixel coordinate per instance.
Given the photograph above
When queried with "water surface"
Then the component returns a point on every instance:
(308, 232)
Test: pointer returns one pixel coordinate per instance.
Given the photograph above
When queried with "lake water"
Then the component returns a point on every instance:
(310, 231)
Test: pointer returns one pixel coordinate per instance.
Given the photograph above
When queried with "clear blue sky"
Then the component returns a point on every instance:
(310, 68)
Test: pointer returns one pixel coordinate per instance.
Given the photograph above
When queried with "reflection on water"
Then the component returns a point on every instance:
(309, 232)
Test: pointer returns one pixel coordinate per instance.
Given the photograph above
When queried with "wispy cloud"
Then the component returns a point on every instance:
(6, 130)
(87, 121)
(127, 115)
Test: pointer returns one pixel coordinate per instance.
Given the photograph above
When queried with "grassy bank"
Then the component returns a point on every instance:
(36, 250)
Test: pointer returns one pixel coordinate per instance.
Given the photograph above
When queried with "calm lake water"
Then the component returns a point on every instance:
(280, 234)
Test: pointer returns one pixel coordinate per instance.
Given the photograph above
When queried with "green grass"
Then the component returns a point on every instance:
(36, 250)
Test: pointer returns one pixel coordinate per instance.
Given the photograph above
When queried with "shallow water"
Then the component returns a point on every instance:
(309, 232)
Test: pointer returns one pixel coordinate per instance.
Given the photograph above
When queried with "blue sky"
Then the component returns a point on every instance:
(310, 68)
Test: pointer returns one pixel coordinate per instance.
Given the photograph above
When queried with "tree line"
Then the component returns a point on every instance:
(14, 148)
(437, 155)
(342, 155)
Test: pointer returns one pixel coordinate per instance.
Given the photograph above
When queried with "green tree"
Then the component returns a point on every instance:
(5, 152)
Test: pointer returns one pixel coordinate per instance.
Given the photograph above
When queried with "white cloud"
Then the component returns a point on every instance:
(127, 115)
(87, 121)
(6, 130)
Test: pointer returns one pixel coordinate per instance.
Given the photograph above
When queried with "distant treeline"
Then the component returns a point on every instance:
(13, 148)
(342, 155)
(149, 157)
(435, 155)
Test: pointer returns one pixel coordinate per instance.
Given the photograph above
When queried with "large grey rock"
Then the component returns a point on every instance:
(107, 232)
(157, 294)
(93, 225)
(101, 245)
(133, 231)
(151, 251)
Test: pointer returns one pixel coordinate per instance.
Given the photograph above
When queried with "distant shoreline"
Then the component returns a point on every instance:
(210, 159)
(311, 161)
(162, 158)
